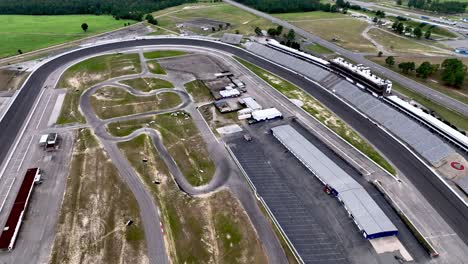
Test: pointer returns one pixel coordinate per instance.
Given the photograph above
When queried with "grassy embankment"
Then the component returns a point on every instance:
(182, 140)
(155, 68)
(109, 102)
(30, 33)
(317, 48)
(158, 54)
(148, 84)
(209, 229)
(241, 21)
(96, 207)
(84, 74)
(317, 110)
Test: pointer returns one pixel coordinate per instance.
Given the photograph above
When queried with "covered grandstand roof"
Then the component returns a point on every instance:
(364, 210)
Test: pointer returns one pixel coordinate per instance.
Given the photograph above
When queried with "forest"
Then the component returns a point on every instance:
(120, 9)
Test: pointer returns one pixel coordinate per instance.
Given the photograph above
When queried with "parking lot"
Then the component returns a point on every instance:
(317, 224)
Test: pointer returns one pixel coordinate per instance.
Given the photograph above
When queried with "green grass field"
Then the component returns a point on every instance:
(401, 44)
(30, 33)
(308, 16)
(240, 20)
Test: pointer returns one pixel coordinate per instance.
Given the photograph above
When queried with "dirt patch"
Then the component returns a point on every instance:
(95, 209)
(11, 80)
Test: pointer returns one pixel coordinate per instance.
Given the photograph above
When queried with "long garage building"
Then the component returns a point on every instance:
(364, 211)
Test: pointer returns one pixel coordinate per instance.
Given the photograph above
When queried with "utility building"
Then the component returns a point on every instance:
(364, 211)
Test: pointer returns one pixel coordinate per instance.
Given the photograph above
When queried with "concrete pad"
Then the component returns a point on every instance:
(297, 102)
(390, 244)
(56, 111)
(229, 129)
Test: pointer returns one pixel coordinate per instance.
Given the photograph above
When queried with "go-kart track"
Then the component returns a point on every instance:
(436, 192)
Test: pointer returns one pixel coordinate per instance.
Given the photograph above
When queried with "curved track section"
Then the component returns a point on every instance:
(443, 200)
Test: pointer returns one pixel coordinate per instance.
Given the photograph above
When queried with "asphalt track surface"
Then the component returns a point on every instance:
(443, 200)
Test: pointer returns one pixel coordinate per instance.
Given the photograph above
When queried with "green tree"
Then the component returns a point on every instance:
(151, 19)
(417, 32)
(375, 20)
(84, 27)
(291, 35)
(424, 70)
(400, 28)
(272, 32)
(453, 72)
(399, 2)
(395, 25)
(279, 30)
(406, 67)
(258, 31)
(408, 29)
(390, 61)
(380, 54)
(427, 35)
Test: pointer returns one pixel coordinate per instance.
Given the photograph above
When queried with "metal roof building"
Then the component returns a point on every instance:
(364, 211)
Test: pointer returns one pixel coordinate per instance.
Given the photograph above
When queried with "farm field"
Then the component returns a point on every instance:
(29, 33)
(240, 20)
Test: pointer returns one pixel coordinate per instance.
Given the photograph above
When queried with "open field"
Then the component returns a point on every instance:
(208, 229)
(111, 102)
(182, 140)
(96, 207)
(163, 54)
(324, 115)
(198, 90)
(240, 20)
(148, 84)
(433, 81)
(81, 76)
(11, 80)
(317, 48)
(400, 44)
(347, 32)
(291, 17)
(155, 68)
(35, 32)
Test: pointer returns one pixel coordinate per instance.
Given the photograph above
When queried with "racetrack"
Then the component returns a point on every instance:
(443, 200)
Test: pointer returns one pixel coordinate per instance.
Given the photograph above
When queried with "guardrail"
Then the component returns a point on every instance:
(412, 227)
(270, 214)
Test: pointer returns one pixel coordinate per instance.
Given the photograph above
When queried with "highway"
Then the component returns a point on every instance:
(359, 58)
(443, 200)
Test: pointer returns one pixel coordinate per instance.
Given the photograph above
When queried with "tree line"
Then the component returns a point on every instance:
(452, 71)
(447, 7)
(120, 9)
